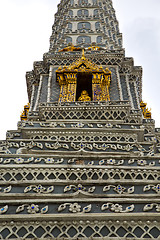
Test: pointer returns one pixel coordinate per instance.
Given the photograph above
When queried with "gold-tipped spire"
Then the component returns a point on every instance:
(83, 54)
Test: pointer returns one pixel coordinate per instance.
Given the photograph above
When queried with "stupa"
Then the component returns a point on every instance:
(84, 162)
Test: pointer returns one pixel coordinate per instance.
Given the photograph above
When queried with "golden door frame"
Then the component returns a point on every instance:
(67, 78)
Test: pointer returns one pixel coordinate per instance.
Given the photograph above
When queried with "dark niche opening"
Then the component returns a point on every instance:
(84, 82)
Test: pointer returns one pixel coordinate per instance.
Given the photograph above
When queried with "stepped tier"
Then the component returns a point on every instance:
(85, 177)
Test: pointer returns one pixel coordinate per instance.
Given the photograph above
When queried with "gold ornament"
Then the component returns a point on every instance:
(24, 114)
(67, 78)
(146, 112)
(84, 96)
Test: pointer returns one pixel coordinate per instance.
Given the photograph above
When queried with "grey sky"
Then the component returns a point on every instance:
(25, 31)
(140, 24)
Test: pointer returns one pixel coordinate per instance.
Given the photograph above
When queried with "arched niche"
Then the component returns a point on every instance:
(83, 75)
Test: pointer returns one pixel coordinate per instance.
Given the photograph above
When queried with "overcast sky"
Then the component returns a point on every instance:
(25, 28)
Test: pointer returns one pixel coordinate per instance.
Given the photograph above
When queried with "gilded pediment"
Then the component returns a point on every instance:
(83, 65)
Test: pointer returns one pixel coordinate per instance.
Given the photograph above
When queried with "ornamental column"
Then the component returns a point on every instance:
(71, 79)
(96, 86)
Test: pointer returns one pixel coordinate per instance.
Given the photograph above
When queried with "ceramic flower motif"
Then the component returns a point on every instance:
(117, 208)
(78, 125)
(156, 188)
(49, 160)
(119, 189)
(19, 160)
(75, 208)
(79, 188)
(32, 209)
(111, 161)
(141, 162)
(39, 189)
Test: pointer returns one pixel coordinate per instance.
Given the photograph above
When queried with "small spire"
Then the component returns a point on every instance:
(83, 54)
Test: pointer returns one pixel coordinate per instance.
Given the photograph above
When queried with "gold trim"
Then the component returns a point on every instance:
(70, 48)
(67, 78)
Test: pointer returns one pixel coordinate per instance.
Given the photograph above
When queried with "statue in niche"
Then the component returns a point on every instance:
(84, 96)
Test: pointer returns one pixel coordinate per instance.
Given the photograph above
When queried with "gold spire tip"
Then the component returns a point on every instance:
(83, 54)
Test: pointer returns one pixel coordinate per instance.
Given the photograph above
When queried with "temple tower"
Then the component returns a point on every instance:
(84, 162)
(83, 22)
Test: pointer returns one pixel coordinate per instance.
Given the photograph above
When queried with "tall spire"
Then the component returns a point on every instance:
(85, 160)
(89, 25)
(83, 22)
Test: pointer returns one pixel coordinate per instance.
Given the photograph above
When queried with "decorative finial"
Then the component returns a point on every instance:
(146, 112)
(83, 54)
(24, 114)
